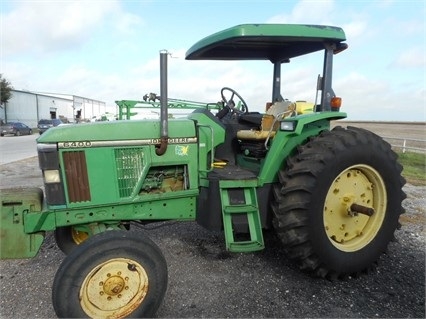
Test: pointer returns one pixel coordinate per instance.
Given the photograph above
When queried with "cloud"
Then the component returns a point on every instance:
(413, 57)
(127, 23)
(44, 27)
(355, 29)
(307, 11)
(383, 4)
(365, 98)
(361, 85)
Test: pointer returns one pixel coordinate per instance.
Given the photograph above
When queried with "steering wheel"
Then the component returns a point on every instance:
(244, 108)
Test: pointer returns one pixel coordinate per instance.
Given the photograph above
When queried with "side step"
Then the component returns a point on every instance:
(246, 206)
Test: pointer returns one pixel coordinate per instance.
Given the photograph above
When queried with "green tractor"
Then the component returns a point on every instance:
(333, 196)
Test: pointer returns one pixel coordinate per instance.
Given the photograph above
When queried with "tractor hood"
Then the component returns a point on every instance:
(116, 130)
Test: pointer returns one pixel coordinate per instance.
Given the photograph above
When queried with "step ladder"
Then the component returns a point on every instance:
(249, 208)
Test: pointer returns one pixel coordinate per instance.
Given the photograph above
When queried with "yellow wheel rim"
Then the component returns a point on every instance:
(78, 236)
(349, 230)
(114, 289)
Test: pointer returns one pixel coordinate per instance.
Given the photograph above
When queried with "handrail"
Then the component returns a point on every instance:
(212, 150)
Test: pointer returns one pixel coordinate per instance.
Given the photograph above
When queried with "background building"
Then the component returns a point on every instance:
(30, 107)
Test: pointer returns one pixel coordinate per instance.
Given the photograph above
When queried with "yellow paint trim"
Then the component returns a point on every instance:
(350, 231)
(114, 289)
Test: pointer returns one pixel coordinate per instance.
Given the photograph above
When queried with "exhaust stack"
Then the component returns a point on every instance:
(164, 129)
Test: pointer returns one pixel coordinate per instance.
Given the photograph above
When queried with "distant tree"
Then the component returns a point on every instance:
(5, 90)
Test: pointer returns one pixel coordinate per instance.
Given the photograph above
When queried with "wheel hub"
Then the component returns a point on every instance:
(114, 289)
(360, 187)
(114, 285)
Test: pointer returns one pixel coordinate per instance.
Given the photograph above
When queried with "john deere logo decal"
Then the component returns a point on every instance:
(181, 150)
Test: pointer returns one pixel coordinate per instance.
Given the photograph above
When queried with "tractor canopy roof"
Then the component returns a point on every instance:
(274, 42)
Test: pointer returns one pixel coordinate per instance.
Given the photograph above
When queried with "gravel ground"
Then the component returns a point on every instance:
(205, 281)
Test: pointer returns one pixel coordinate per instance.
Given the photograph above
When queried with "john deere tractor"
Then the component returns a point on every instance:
(333, 196)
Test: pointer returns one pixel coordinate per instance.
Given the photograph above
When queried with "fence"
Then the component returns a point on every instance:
(415, 145)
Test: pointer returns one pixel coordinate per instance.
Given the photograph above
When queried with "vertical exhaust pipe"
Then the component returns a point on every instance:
(164, 129)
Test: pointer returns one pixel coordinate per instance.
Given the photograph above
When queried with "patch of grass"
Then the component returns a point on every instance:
(414, 167)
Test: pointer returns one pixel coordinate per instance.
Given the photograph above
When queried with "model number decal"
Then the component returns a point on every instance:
(75, 144)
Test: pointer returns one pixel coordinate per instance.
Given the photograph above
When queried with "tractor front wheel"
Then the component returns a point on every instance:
(114, 274)
(338, 202)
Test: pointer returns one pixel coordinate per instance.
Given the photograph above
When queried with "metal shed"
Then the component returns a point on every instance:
(29, 107)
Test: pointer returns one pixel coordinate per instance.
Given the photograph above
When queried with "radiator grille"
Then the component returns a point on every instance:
(76, 176)
(129, 162)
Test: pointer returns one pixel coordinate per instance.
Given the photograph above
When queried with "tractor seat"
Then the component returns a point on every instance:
(268, 123)
(250, 119)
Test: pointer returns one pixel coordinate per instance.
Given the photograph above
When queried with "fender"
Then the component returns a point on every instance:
(285, 143)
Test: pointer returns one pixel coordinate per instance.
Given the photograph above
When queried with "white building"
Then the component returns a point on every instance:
(30, 107)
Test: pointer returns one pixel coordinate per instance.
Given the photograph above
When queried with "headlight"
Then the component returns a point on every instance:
(287, 126)
(51, 176)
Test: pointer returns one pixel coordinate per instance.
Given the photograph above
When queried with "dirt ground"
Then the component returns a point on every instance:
(205, 281)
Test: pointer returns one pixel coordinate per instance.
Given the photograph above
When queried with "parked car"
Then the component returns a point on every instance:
(44, 125)
(15, 128)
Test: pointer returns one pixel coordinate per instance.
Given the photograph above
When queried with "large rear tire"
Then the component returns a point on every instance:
(114, 274)
(327, 192)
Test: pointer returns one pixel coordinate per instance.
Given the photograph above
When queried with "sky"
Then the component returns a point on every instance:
(109, 50)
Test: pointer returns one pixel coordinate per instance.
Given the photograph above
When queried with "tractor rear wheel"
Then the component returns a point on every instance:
(338, 202)
(114, 274)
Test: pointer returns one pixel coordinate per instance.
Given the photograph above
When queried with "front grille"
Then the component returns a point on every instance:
(76, 176)
(129, 162)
